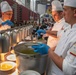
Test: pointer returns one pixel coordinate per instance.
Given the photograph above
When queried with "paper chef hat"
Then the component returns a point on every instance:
(5, 6)
(71, 3)
(56, 6)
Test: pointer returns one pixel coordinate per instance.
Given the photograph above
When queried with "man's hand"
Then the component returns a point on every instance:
(41, 48)
(40, 32)
(8, 22)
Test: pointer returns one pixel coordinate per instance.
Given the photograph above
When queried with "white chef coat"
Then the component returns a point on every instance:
(63, 49)
(5, 27)
(58, 26)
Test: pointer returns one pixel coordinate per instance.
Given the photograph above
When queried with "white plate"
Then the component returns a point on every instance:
(11, 57)
(30, 72)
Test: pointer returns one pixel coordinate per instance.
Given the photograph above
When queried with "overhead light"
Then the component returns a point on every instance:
(48, 3)
(48, 0)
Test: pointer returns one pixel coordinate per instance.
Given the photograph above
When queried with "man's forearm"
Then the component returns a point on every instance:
(56, 59)
(52, 32)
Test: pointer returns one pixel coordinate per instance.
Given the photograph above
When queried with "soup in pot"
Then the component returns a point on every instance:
(27, 51)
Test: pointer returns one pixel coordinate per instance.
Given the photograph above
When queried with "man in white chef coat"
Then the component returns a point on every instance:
(7, 13)
(59, 26)
(63, 59)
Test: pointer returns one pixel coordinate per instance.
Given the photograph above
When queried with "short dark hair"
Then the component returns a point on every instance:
(73, 8)
(59, 12)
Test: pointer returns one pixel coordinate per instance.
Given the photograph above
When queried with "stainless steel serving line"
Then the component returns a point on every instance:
(11, 37)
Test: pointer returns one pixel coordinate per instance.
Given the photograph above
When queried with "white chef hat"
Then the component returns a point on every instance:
(5, 6)
(56, 6)
(71, 3)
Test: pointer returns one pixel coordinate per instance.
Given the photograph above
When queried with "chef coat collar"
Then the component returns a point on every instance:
(60, 20)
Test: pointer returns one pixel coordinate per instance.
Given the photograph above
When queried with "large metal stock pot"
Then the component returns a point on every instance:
(5, 41)
(15, 36)
(35, 62)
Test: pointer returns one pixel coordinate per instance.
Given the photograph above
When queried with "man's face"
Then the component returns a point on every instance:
(68, 14)
(56, 16)
(7, 15)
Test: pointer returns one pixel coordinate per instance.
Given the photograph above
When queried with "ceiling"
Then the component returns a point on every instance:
(45, 2)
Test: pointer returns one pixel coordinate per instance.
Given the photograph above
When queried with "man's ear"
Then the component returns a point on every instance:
(75, 12)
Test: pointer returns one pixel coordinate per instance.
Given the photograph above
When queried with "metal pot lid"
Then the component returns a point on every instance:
(30, 72)
(28, 44)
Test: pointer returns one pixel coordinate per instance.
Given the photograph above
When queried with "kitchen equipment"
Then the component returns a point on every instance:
(27, 28)
(5, 41)
(20, 34)
(0, 43)
(35, 61)
(23, 33)
(15, 36)
(30, 29)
